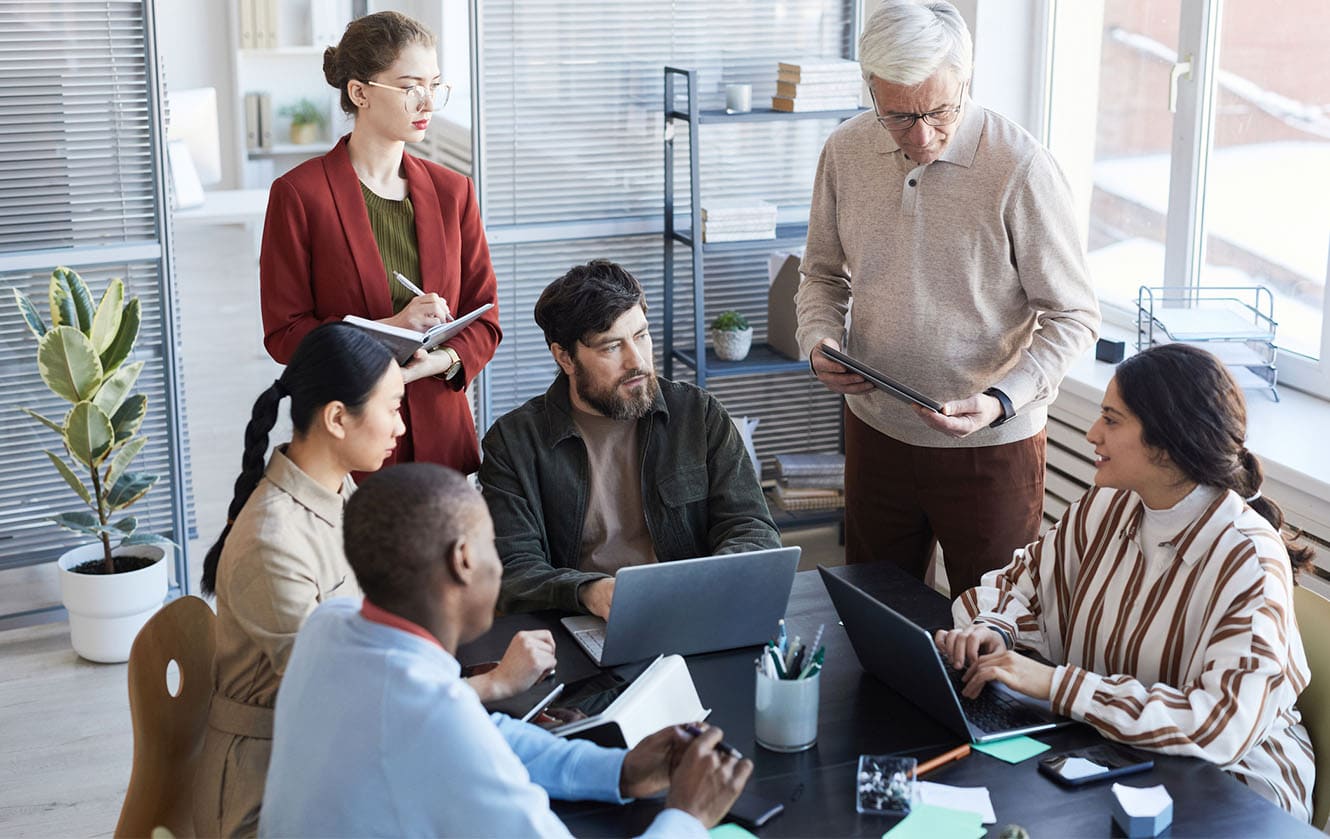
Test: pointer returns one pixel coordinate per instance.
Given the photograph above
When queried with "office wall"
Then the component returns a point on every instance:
(194, 41)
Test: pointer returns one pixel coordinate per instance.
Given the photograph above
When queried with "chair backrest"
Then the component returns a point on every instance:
(1313, 613)
(168, 729)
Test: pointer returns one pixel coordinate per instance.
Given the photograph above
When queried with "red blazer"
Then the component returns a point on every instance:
(319, 261)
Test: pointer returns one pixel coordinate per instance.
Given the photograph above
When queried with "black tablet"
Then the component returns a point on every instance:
(882, 381)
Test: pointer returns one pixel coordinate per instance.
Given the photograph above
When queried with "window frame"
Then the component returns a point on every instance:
(1199, 32)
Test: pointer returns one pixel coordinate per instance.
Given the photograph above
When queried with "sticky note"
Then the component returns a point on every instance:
(928, 822)
(1013, 749)
(967, 799)
(729, 830)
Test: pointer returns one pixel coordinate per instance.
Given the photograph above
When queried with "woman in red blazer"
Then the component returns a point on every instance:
(321, 259)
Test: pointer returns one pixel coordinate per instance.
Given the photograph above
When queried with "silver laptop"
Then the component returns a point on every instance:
(690, 606)
(900, 653)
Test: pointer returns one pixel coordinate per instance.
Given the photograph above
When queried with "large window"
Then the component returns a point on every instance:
(1207, 160)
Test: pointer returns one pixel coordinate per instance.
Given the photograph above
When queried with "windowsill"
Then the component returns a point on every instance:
(1288, 436)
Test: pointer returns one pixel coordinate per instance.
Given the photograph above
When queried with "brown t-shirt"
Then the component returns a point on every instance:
(614, 534)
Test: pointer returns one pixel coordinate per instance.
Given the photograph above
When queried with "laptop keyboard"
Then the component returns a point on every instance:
(992, 711)
(593, 640)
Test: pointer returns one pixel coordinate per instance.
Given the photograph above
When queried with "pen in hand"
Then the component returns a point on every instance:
(416, 290)
(722, 747)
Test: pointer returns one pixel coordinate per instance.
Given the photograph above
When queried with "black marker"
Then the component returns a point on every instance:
(722, 747)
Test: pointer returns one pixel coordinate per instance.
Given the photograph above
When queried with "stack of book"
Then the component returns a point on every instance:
(810, 481)
(820, 84)
(738, 221)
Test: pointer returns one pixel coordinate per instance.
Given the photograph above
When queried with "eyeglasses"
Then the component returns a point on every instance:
(904, 122)
(420, 98)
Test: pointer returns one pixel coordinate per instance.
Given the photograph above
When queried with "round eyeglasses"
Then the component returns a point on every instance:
(904, 122)
(419, 98)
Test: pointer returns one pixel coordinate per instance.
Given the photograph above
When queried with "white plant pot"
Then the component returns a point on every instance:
(106, 611)
(732, 345)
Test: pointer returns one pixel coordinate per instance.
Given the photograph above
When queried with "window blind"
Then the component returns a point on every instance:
(571, 133)
(81, 185)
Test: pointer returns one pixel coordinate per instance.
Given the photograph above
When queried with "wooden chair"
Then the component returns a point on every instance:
(1313, 613)
(168, 729)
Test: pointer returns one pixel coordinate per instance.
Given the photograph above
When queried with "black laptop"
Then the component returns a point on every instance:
(903, 656)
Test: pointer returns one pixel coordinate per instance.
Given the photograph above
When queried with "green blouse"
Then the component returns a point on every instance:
(394, 226)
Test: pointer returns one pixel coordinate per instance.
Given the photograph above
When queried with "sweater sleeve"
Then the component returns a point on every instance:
(1229, 708)
(1049, 257)
(823, 299)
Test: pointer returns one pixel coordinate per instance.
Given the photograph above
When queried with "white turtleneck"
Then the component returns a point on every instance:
(1159, 526)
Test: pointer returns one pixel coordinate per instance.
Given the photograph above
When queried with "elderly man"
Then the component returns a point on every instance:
(942, 236)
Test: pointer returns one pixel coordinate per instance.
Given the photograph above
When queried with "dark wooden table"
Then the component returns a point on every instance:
(860, 715)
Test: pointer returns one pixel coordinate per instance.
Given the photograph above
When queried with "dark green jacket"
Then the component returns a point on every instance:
(699, 491)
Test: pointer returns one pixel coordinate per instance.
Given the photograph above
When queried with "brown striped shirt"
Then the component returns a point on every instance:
(1200, 657)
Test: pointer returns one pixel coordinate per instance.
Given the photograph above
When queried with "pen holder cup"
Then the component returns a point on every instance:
(785, 714)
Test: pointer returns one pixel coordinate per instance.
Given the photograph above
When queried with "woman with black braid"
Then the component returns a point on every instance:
(281, 555)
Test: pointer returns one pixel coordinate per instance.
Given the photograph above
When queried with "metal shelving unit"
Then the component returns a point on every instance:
(697, 356)
(692, 352)
(1235, 323)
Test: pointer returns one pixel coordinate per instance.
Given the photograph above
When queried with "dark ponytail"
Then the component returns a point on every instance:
(333, 363)
(1192, 409)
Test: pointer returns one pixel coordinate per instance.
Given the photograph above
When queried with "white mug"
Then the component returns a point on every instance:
(738, 98)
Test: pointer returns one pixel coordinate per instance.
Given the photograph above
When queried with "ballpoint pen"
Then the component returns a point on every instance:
(722, 747)
(416, 290)
(957, 753)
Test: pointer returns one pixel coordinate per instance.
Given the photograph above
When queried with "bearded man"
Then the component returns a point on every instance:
(612, 466)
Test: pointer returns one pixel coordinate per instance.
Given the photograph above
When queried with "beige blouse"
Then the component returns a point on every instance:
(282, 558)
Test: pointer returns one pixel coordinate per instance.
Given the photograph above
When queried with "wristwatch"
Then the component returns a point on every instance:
(456, 366)
(1007, 411)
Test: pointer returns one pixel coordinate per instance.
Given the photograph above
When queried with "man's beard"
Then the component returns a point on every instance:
(610, 403)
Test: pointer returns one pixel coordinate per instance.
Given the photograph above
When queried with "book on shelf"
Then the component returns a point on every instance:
(810, 499)
(738, 225)
(739, 208)
(246, 24)
(823, 482)
(711, 237)
(801, 105)
(817, 69)
(795, 465)
(251, 121)
(265, 120)
(820, 90)
(404, 342)
(664, 695)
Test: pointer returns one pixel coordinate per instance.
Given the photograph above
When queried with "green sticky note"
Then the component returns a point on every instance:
(730, 830)
(928, 822)
(1012, 749)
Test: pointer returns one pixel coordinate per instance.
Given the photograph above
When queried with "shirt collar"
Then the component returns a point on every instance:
(374, 614)
(1202, 530)
(307, 492)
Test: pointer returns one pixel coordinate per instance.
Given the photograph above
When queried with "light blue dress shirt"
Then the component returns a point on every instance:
(376, 734)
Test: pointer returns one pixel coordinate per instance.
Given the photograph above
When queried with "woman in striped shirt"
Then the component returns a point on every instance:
(1165, 594)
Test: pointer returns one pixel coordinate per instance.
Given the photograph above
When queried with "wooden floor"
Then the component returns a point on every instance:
(65, 737)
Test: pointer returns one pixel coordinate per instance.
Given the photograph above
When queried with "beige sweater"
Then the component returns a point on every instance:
(954, 277)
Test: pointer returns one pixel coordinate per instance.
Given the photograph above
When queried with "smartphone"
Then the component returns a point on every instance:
(1095, 763)
(751, 811)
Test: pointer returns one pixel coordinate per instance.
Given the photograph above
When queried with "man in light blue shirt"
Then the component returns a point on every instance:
(376, 733)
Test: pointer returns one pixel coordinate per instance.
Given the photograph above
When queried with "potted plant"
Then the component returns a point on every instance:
(110, 587)
(306, 121)
(731, 335)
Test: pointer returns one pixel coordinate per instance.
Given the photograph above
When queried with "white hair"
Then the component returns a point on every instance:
(905, 42)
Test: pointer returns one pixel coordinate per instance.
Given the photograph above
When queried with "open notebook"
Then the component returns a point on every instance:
(404, 342)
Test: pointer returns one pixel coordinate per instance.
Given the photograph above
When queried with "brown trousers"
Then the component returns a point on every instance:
(981, 503)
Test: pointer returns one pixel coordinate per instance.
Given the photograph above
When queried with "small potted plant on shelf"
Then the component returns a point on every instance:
(306, 121)
(731, 336)
(113, 585)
